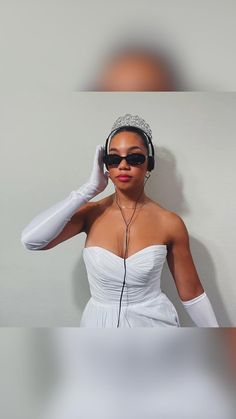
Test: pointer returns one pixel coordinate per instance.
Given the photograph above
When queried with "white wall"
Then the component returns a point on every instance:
(51, 45)
(48, 144)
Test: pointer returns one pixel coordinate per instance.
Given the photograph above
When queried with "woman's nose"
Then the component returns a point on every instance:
(123, 163)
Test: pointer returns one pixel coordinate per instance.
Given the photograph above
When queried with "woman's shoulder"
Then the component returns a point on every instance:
(158, 208)
(173, 224)
(154, 208)
(165, 213)
(99, 204)
(94, 208)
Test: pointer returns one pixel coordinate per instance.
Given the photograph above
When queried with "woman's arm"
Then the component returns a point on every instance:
(180, 260)
(63, 220)
(185, 275)
(76, 225)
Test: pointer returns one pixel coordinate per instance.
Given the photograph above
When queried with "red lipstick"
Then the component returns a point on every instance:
(124, 178)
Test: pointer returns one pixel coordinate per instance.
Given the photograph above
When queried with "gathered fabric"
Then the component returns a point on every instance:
(143, 302)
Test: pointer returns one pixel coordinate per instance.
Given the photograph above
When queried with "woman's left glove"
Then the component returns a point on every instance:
(200, 310)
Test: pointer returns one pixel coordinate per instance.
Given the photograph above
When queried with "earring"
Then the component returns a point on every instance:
(147, 176)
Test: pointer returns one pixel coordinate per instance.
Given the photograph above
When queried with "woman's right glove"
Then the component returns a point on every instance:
(49, 224)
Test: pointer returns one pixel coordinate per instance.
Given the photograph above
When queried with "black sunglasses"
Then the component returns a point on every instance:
(132, 159)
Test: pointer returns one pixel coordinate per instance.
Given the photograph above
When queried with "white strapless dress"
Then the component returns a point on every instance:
(143, 302)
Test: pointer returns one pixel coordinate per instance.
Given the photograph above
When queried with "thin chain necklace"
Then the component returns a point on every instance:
(123, 206)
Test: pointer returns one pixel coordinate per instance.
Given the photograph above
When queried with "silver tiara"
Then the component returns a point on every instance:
(132, 121)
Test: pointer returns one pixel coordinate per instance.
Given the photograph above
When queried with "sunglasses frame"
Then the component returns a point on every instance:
(126, 158)
(150, 157)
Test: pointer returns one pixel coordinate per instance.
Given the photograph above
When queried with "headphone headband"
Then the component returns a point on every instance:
(151, 161)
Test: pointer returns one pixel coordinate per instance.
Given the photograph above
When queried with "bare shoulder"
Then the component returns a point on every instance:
(173, 223)
(93, 206)
(93, 209)
(83, 214)
(101, 204)
(84, 210)
(177, 229)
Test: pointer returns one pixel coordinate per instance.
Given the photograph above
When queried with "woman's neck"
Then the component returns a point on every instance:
(130, 199)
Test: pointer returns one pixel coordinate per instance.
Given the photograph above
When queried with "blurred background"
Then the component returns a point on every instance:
(148, 45)
(71, 373)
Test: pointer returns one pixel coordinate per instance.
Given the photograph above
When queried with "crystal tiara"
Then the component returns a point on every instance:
(132, 121)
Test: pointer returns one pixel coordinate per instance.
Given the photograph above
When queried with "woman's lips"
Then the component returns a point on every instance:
(124, 178)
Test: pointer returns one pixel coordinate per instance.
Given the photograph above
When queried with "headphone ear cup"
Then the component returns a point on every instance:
(104, 161)
(151, 163)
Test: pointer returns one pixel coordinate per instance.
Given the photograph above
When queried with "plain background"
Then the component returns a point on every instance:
(60, 44)
(88, 365)
(48, 149)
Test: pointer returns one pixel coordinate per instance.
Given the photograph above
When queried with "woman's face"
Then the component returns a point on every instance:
(124, 143)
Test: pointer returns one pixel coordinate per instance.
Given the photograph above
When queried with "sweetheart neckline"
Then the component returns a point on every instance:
(119, 257)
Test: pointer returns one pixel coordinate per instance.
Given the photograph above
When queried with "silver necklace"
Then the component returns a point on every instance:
(122, 206)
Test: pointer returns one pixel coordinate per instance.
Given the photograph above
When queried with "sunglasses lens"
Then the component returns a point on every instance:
(113, 159)
(132, 159)
(135, 159)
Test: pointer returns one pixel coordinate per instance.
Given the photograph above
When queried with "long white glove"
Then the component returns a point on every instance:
(200, 310)
(47, 225)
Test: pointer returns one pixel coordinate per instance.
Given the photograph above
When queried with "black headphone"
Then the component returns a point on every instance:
(151, 161)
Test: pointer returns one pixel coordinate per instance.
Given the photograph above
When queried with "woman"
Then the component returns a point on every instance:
(127, 233)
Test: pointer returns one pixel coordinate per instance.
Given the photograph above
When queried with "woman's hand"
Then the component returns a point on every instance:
(98, 179)
(56, 224)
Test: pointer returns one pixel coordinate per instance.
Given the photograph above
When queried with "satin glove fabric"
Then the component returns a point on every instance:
(47, 225)
(200, 310)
